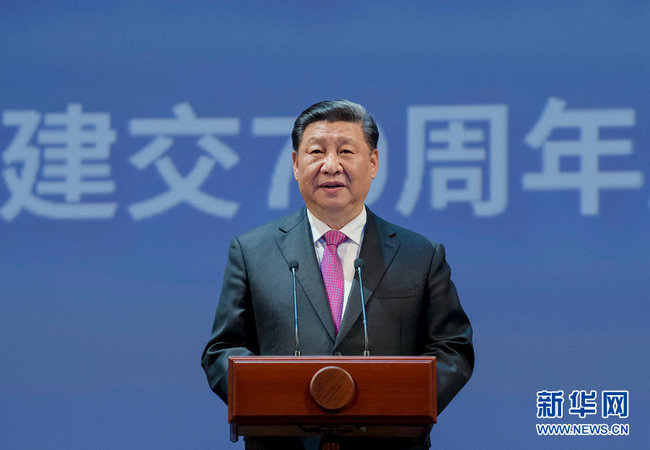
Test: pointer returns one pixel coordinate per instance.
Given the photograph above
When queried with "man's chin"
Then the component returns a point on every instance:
(333, 205)
(334, 210)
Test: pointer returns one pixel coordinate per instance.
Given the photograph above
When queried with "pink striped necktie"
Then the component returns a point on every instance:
(332, 271)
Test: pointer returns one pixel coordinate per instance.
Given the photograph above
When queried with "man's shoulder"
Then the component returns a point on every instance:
(405, 235)
(273, 228)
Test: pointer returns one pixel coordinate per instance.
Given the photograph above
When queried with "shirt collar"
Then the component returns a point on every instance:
(353, 229)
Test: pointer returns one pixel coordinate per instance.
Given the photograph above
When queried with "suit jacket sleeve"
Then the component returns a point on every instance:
(449, 333)
(233, 332)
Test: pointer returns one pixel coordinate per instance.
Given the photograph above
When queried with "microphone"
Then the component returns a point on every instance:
(293, 266)
(358, 265)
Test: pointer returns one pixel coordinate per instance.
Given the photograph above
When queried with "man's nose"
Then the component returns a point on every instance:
(331, 164)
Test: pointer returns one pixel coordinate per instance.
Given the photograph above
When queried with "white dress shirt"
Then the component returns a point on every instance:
(348, 250)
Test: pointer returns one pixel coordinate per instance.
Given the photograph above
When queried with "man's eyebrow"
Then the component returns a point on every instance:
(339, 140)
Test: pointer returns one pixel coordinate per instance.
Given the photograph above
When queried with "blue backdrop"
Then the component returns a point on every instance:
(138, 137)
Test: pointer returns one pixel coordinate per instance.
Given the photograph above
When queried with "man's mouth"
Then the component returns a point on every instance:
(331, 185)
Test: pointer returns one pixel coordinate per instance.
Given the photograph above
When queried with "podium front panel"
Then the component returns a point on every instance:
(387, 390)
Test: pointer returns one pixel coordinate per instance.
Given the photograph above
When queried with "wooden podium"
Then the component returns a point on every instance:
(331, 397)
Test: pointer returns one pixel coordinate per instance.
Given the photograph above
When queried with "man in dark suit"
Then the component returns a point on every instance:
(412, 305)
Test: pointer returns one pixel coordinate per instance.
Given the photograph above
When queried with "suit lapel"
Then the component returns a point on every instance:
(380, 243)
(295, 242)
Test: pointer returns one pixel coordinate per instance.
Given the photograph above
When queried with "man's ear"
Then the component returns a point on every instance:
(294, 158)
(374, 160)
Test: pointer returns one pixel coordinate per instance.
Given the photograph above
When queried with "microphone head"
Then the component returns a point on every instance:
(293, 265)
(358, 263)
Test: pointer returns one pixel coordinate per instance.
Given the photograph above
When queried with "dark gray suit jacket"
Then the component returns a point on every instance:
(411, 304)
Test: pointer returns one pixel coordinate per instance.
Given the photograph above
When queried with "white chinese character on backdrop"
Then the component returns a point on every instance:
(583, 403)
(615, 403)
(282, 176)
(588, 148)
(468, 146)
(76, 146)
(184, 189)
(549, 404)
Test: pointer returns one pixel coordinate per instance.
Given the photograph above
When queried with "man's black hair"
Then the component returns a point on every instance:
(336, 111)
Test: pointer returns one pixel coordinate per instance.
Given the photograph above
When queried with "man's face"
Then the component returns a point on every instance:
(334, 167)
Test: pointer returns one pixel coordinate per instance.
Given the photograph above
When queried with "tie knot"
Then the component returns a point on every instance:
(334, 237)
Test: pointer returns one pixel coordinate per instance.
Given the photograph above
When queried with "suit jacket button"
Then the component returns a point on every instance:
(338, 354)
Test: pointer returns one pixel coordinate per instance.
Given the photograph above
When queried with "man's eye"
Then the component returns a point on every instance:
(315, 151)
(346, 150)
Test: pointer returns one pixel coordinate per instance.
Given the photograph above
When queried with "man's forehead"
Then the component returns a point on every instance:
(342, 132)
